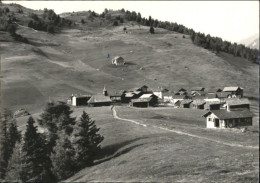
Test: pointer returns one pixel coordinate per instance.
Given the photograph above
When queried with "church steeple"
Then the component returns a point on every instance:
(105, 91)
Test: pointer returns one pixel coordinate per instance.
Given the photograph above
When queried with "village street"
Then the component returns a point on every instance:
(114, 113)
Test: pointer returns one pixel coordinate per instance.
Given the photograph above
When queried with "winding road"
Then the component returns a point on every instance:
(114, 113)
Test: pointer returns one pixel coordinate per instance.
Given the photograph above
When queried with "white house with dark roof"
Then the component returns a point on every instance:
(228, 119)
(118, 60)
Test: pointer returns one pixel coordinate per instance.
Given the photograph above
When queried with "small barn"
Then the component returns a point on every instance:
(223, 95)
(198, 104)
(80, 100)
(160, 92)
(185, 103)
(140, 102)
(118, 60)
(129, 95)
(212, 105)
(181, 91)
(176, 98)
(116, 96)
(99, 100)
(214, 90)
(153, 99)
(236, 91)
(196, 89)
(228, 119)
(237, 104)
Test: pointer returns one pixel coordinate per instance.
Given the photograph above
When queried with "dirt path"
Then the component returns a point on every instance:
(180, 132)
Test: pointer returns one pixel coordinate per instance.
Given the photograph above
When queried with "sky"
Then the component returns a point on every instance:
(230, 20)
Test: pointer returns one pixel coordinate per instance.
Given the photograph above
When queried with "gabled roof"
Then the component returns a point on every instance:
(199, 102)
(99, 98)
(231, 88)
(147, 95)
(182, 89)
(223, 94)
(223, 114)
(129, 94)
(197, 89)
(237, 101)
(179, 96)
(211, 95)
(186, 101)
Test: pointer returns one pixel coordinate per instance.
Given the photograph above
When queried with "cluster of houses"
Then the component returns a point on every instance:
(225, 108)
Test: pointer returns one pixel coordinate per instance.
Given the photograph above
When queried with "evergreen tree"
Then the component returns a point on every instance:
(5, 117)
(86, 141)
(62, 158)
(56, 116)
(15, 167)
(37, 163)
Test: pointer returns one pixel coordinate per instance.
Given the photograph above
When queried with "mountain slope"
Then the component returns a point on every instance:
(252, 41)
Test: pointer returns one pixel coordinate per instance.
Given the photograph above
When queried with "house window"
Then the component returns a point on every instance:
(209, 119)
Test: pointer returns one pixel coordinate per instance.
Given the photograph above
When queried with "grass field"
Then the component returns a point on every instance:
(134, 153)
(54, 66)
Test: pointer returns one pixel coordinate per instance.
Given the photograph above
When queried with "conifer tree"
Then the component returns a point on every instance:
(56, 116)
(37, 164)
(86, 141)
(62, 158)
(15, 167)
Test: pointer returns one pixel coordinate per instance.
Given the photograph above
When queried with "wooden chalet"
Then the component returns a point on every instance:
(237, 104)
(78, 100)
(99, 100)
(228, 119)
(186, 103)
(146, 100)
(181, 91)
(212, 105)
(198, 104)
(235, 91)
(116, 96)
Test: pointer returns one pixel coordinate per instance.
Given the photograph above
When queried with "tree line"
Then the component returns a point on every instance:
(66, 146)
(206, 41)
(49, 22)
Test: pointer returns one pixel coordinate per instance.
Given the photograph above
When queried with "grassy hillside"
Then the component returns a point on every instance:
(53, 66)
(56, 65)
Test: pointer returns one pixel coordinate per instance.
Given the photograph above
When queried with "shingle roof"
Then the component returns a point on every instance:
(186, 101)
(199, 102)
(223, 94)
(236, 101)
(223, 114)
(99, 98)
(82, 96)
(117, 57)
(211, 95)
(146, 95)
(231, 88)
(129, 94)
(179, 96)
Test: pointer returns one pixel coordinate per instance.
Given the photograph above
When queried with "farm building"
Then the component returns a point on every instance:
(237, 104)
(198, 104)
(224, 95)
(212, 105)
(198, 93)
(176, 98)
(235, 91)
(228, 119)
(211, 95)
(185, 103)
(79, 100)
(116, 96)
(128, 96)
(160, 92)
(168, 97)
(118, 60)
(146, 100)
(99, 100)
(181, 91)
